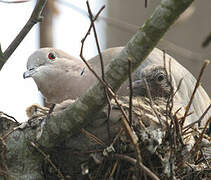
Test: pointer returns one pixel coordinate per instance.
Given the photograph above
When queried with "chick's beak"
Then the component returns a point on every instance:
(137, 84)
(28, 73)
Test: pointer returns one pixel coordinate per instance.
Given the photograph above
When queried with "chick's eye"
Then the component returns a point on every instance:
(160, 77)
(51, 56)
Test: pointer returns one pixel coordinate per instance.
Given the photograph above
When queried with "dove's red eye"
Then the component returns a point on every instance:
(51, 56)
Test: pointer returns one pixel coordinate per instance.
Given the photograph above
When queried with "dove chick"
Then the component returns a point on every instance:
(156, 78)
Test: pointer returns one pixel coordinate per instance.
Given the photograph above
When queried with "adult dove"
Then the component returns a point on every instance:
(60, 76)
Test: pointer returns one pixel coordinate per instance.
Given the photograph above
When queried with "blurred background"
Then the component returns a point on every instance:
(65, 24)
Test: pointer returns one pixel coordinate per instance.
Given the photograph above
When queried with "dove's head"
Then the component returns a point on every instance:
(46, 59)
(52, 70)
(157, 80)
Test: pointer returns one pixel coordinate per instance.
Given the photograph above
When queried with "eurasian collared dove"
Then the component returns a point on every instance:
(60, 76)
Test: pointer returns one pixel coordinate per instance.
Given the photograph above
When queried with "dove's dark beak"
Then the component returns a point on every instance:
(28, 73)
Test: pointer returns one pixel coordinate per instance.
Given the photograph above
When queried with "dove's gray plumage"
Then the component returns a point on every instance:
(60, 76)
(64, 77)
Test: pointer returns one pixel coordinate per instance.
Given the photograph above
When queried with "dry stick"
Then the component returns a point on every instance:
(35, 17)
(200, 136)
(14, 2)
(200, 119)
(118, 135)
(112, 93)
(133, 162)
(102, 66)
(175, 120)
(93, 137)
(10, 117)
(168, 101)
(131, 90)
(206, 62)
(145, 3)
(60, 175)
(164, 59)
(106, 85)
(133, 140)
(207, 41)
(172, 89)
(103, 82)
(151, 101)
(178, 87)
(204, 159)
(113, 170)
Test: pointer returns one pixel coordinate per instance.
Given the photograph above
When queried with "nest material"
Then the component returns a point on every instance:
(166, 149)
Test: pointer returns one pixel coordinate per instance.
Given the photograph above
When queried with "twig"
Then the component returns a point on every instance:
(133, 162)
(35, 17)
(113, 170)
(170, 103)
(11, 117)
(164, 59)
(207, 41)
(112, 93)
(206, 62)
(13, 2)
(133, 140)
(171, 98)
(200, 136)
(178, 87)
(93, 137)
(102, 64)
(145, 3)
(60, 175)
(118, 135)
(105, 84)
(151, 101)
(202, 116)
(131, 90)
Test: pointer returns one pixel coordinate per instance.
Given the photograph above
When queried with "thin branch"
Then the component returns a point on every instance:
(207, 41)
(92, 137)
(134, 141)
(206, 62)
(14, 2)
(151, 101)
(200, 136)
(198, 121)
(47, 157)
(35, 18)
(133, 162)
(11, 117)
(102, 64)
(145, 3)
(131, 90)
(105, 84)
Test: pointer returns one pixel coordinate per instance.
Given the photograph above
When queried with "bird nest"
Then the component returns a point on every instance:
(154, 145)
